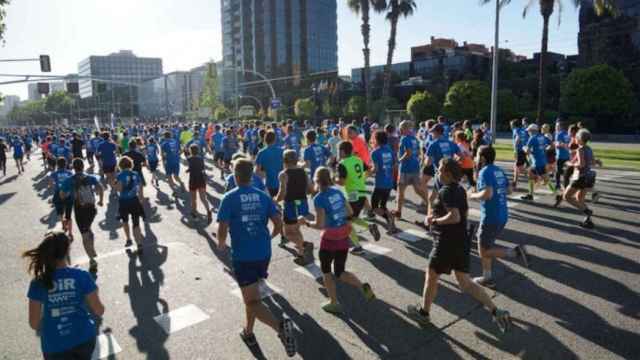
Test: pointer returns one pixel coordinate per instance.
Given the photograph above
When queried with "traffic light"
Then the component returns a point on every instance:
(72, 88)
(43, 88)
(45, 63)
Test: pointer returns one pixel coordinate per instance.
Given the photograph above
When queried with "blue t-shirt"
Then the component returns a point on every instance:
(58, 177)
(170, 151)
(410, 164)
(107, 151)
(152, 152)
(130, 181)
(292, 141)
(66, 321)
(384, 160)
(17, 148)
(270, 159)
(316, 155)
(256, 182)
(494, 210)
(442, 148)
(332, 201)
(68, 187)
(217, 142)
(247, 211)
(562, 137)
(95, 143)
(537, 145)
(229, 145)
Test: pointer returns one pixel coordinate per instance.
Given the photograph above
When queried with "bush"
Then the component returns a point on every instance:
(378, 109)
(422, 106)
(222, 113)
(305, 108)
(468, 100)
(356, 107)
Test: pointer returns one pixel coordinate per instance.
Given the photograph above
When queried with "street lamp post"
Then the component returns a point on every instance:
(494, 80)
(253, 98)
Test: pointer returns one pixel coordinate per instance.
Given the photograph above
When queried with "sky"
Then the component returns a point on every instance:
(187, 33)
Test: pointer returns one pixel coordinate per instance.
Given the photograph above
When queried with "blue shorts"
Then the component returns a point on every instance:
(172, 169)
(539, 170)
(250, 272)
(293, 209)
(487, 234)
(153, 165)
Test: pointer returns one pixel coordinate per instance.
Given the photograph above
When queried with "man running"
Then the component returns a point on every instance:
(314, 155)
(383, 161)
(583, 178)
(244, 213)
(107, 152)
(270, 163)
(171, 159)
(18, 153)
(520, 139)
(3, 157)
(536, 149)
(63, 207)
(408, 157)
(127, 185)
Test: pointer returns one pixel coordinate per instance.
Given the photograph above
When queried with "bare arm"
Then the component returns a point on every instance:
(283, 187)
(223, 229)
(484, 194)
(277, 225)
(35, 314)
(319, 223)
(93, 300)
(452, 217)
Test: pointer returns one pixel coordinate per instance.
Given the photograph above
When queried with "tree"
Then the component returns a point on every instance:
(422, 106)
(59, 102)
(379, 108)
(356, 107)
(305, 108)
(331, 110)
(221, 113)
(3, 16)
(546, 10)
(508, 106)
(395, 9)
(363, 8)
(599, 91)
(209, 97)
(468, 100)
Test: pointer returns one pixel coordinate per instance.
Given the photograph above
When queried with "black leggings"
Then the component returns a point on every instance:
(79, 352)
(337, 257)
(469, 174)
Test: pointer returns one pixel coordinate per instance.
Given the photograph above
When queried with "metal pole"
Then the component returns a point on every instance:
(494, 80)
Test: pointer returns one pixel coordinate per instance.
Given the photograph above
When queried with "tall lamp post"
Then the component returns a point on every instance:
(494, 80)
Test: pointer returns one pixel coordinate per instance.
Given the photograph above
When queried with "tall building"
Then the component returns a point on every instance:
(8, 103)
(278, 38)
(121, 66)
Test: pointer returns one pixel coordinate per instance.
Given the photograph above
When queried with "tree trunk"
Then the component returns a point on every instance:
(542, 68)
(386, 89)
(366, 31)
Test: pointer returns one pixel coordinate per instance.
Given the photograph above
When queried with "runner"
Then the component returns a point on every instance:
(332, 214)
(536, 148)
(583, 178)
(92, 147)
(244, 213)
(107, 152)
(76, 146)
(493, 187)
(81, 188)
(351, 174)
(139, 160)
(230, 146)
(171, 159)
(58, 289)
(63, 207)
(218, 150)
(562, 141)
(256, 180)
(294, 187)
(127, 185)
(315, 155)
(466, 157)
(151, 151)
(408, 157)
(18, 153)
(198, 182)
(452, 247)
(270, 163)
(383, 161)
(3, 157)
(440, 148)
(520, 139)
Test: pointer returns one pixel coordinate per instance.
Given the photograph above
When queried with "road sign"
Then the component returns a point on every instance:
(275, 103)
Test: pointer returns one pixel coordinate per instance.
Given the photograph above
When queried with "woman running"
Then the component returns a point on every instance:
(583, 178)
(197, 182)
(61, 300)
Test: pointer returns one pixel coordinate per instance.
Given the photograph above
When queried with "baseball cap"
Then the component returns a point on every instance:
(532, 127)
(437, 128)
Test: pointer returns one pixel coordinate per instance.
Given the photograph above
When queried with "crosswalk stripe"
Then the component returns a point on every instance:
(411, 235)
(373, 250)
(180, 318)
(311, 270)
(266, 290)
(106, 346)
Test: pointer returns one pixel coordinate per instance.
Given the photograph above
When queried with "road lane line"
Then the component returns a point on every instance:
(178, 319)
(373, 250)
(106, 346)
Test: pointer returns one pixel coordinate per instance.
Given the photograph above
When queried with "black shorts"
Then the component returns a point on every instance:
(450, 253)
(379, 198)
(63, 207)
(153, 166)
(133, 208)
(521, 158)
(108, 169)
(219, 155)
(357, 206)
(51, 162)
(586, 181)
(336, 257)
(82, 351)
(428, 170)
(84, 217)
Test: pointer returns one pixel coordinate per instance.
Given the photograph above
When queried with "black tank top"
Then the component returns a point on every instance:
(296, 184)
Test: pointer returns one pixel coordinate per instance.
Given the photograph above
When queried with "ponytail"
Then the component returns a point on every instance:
(44, 258)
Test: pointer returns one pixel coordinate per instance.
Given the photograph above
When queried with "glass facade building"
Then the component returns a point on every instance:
(277, 38)
(121, 66)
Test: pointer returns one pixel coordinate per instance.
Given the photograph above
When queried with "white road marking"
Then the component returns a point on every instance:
(412, 235)
(84, 260)
(374, 250)
(180, 318)
(266, 290)
(106, 345)
(312, 270)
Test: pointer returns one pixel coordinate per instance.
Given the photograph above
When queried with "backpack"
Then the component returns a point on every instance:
(83, 192)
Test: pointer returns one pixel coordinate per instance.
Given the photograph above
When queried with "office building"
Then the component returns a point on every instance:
(122, 66)
(8, 103)
(278, 38)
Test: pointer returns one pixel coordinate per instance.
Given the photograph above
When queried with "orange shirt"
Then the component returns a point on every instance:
(466, 158)
(360, 149)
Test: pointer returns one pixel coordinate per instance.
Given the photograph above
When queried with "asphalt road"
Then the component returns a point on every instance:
(578, 299)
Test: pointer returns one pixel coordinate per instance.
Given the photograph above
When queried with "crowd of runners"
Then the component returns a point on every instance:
(290, 175)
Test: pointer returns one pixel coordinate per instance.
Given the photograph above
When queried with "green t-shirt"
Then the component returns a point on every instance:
(352, 169)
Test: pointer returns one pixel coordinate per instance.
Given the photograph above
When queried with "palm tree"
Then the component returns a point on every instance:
(363, 7)
(546, 10)
(395, 10)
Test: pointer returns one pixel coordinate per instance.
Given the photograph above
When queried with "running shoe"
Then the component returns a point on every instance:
(301, 260)
(249, 339)
(588, 212)
(358, 250)
(418, 314)
(128, 243)
(595, 197)
(93, 266)
(367, 292)
(371, 215)
(587, 223)
(194, 214)
(283, 241)
(527, 197)
(558, 201)
(287, 337)
(332, 308)
(373, 229)
(502, 319)
(521, 251)
(486, 282)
